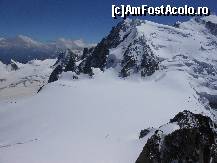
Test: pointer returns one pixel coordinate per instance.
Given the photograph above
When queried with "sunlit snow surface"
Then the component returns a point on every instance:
(98, 120)
(91, 120)
(25, 81)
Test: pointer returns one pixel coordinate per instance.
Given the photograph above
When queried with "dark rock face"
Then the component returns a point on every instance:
(212, 27)
(203, 68)
(144, 132)
(128, 65)
(132, 62)
(55, 74)
(65, 57)
(149, 64)
(71, 64)
(151, 152)
(177, 24)
(97, 58)
(85, 67)
(139, 57)
(87, 52)
(66, 62)
(99, 55)
(195, 141)
(187, 145)
(14, 66)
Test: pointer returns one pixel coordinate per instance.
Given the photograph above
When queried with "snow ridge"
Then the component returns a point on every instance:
(139, 76)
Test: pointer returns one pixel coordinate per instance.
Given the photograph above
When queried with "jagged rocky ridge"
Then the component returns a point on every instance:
(135, 55)
(66, 62)
(143, 47)
(193, 141)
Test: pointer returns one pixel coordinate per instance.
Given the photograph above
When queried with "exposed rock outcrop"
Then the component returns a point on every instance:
(136, 54)
(66, 62)
(14, 66)
(195, 141)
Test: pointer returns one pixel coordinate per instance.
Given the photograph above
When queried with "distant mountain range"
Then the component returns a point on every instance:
(23, 49)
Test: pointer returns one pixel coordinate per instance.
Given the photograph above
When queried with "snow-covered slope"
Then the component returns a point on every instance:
(191, 48)
(91, 120)
(25, 80)
(150, 73)
(142, 47)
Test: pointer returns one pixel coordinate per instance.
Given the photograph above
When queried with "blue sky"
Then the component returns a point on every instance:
(87, 19)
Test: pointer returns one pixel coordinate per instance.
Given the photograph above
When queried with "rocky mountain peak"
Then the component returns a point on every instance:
(122, 49)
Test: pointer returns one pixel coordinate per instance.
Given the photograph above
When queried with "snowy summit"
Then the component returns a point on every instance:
(145, 93)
